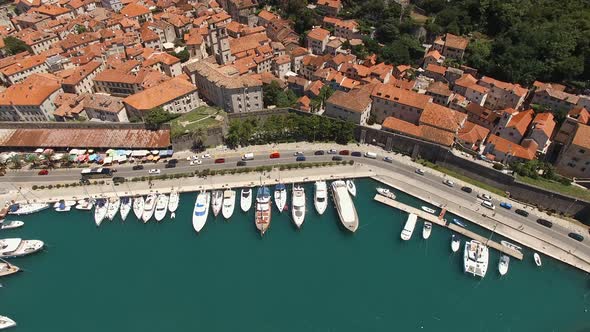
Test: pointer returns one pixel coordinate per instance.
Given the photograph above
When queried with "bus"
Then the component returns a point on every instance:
(100, 172)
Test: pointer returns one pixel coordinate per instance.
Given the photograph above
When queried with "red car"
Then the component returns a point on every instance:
(275, 155)
(219, 160)
(43, 172)
(344, 152)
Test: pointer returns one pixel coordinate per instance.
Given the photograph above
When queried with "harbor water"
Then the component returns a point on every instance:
(164, 277)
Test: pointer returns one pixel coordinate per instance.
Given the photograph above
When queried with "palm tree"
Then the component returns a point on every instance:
(32, 159)
(15, 161)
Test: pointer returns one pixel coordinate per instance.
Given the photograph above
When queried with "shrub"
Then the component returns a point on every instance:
(101, 182)
(94, 182)
(35, 187)
(67, 185)
(50, 186)
(351, 162)
(57, 186)
(41, 187)
(498, 166)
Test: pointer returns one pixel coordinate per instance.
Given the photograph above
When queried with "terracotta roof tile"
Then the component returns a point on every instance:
(457, 42)
(473, 133)
(24, 64)
(521, 121)
(581, 114)
(507, 147)
(34, 90)
(515, 88)
(401, 96)
(436, 115)
(160, 94)
(355, 100)
(318, 34)
(582, 136)
(134, 9)
(424, 132)
(436, 69)
(545, 123)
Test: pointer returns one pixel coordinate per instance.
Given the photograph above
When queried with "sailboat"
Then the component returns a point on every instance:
(298, 205)
(100, 210)
(229, 201)
(148, 207)
(216, 201)
(246, 199)
(126, 204)
(138, 203)
(161, 207)
(320, 198)
(351, 188)
(201, 210)
(280, 196)
(263, 214)
(173, 201)
(114, 204)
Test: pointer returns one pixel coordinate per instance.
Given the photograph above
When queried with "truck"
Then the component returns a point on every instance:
(248, 156)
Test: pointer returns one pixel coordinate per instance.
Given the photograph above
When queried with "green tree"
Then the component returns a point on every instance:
(273, 94)
(80, 29)
(183, 55)
(157, 116)
(14, 45)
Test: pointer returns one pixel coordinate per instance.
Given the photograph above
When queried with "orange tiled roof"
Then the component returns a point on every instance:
(434, 53)
(401, 96)
(436, 69)
(356, 100)
(266, 15)
(424, 132)
(247, 43)
(582, 136)
(51, 10)
(439, 88)
(515, 88)
(282, 59)
(160, 94)
(457, 42)
(318, 34)
(580, 113)
(24, 64)
(436, 115)
(473, 133)
(161, 57)
(34, 90)
(507, 147)
(81, 72)
(330, 3)
(545, 123)
(521, 121)
(134, 9)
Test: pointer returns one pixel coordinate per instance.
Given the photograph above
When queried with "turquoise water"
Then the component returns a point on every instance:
(163, 277)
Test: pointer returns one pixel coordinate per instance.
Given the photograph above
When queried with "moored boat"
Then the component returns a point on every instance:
(351, 187)
(62, 207)
(229, 202)
(298, 205)
(426, 230)
(173, 201)
(345, 206)
(6, 322)
(85, 204)
(459, 223)
(17, 247)
(216, 201)
(246, 199)
(24, 209)
(280, 196)
(126, 205)
(511, 245)
(320, 198)
(475, 258)
(149, 206)
(537, 259)
(7, 269)
(263, 214)
(100, 210)
(138, 203)
(455, 243)
(12, 224)
(201, 210)
(63, 202)
(114, 204)
(386, 192)
(161, 207)
(503, 264)
(408, 230)
(428, 209)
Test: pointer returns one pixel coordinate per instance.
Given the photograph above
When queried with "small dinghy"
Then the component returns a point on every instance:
(426, 230)
(429, 210)
(459, 222)
(6, 322)
(537, 259)
(351, 188)
(455, 243)
(503, 264)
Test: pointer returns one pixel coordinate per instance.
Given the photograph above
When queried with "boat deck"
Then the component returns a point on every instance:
(455, 228)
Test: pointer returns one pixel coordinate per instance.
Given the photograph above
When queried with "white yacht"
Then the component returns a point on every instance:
(386, 192)
(6, 322)
(351, 187)
(320, 197)
(114, 204)
(23, 209)
(138, 203)
(280, 196)
(63, 202)
(511, 245)
(427, 209)
(126, 206)
(475, 258)
(455, 243)
(100, 210)
(201, 210)
(537, 259)
(161, 207)
(298, 205)
(229, 202)
(263, 214)
(503, 264)
(409, 227)
(216, 201)
(345, 206)
(85, 204)
(173, 201)
(246, 199)
(426, 230)
(62, 207)
(148, 207)
(7, 269)
(17, 247)
(12, 224)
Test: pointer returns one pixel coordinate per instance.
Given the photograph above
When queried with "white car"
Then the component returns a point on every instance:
(298, 153)
(488, 204)
(420, 171)
(388, 159)
(485, 197)
(196, 162)
(206, 156)
(332, 151)
(154, 171)
(449, 182)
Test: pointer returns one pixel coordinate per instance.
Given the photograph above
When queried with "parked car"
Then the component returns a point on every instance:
(485, 197)
(488, 204)
(420, 171)
(344, 152)
(576, 236)
(206, 156)
(521, 212)
(356, 154)
(449, 183)
(154, 171)
(332, 151)
(388, 159)
(118, 179)
(545, 223)
(173, 161)
(242, 163)
(170, 166)
(43, 172)
(298, 153)
(275, 155)
(137, 167)
(371, 155)
(467, 189)
(300, 158)
(337, 158)
(220, 160)
(319, 153)
(506, 205)
(195, 162)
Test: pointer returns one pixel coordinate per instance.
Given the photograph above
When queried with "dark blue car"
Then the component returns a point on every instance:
(300, 158)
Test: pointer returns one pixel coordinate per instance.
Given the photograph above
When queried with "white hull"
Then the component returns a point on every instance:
(298, 205)
(173, 201)
(426, 230)
(149, 207)
(11, 224)
(100, 212)
(161, 207)
(345, 206)
(29, 209)
(216, 201)
(246, 199)
(6, 322)
(475, 258)
(84, 205)
(138, 203)
(503, 265)
(351, 187)
(18, 247)
(429, 210)
(114, 205)
(455, 243)
(320, 198)
(280, 197)
(8, 269)
(66, 203)
(64, 209)
(408, 230)
(201, 211)
(229, 202)
(126, 208)
(537, 259)
(386, 192)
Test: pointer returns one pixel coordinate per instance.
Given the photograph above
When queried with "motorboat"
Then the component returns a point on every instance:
(409, 227)
(24, 209)
(298, 205)
(229, 202)
(12, 224)
(7, 269)
(114, 204)
(173, 201)
(6, 322)
(126, 206)
(459, 223)
(455, 243)
(246, 199)
(428, 209)
(216, 201)
(62, 202)
(17, 247)
(100, 210)
(201, 210)
(426, 230)
(345, 206)
(62, 207)
(280, 196)
(386, 192)
(503, 264)
(320, 198)
(537, 259)
(351, 187)
(149, 207)
(475, 258)
(511, 245)
(85, 204)
(263, 213)
(161, 207)
(138, 203)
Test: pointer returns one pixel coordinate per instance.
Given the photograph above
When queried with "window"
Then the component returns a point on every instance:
(581, 151)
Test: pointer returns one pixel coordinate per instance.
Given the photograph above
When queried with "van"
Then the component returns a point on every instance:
(371, 155)
(248, 156)
(488, 204)
(275, 155)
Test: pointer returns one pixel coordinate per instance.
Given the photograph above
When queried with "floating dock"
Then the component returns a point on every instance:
(438, 220)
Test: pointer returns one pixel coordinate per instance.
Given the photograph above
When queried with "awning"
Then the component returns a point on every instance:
(162, 153)
(92, 157)
(150, 157)
(155, 152)
(121, 159)
(140, 153)
(108, 160)
(170, 152)
(39, 150)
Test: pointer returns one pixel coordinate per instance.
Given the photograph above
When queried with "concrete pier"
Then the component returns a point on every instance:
(455, 228)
